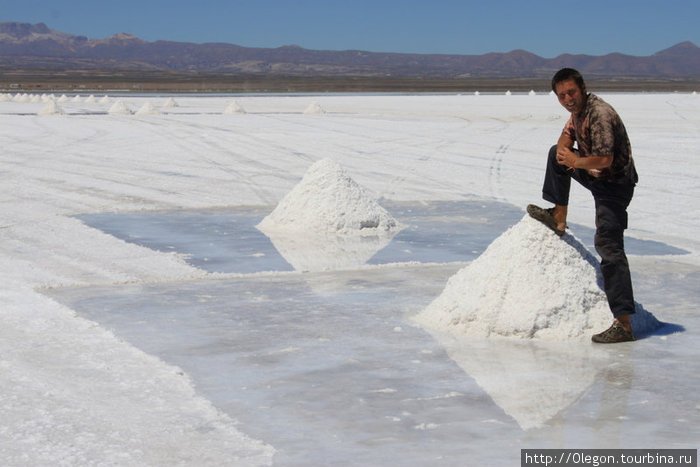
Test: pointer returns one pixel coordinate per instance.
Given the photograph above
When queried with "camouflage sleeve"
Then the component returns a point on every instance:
(569, 129)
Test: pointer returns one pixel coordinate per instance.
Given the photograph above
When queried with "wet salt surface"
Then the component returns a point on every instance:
(327, 367)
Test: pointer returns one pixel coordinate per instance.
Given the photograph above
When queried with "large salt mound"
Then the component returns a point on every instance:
(529, 283)
(327, 200)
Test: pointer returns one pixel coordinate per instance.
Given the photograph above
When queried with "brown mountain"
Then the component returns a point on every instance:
(36, 46)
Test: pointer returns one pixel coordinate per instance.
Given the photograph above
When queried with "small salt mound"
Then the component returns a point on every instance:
(327, 200)
(77, 99)
(234, 108)
(63, 98)
(529, 283)
(105, 100)
(314, 108)
(119, 108)
(5, 98)
(51, 108)
(170, 103)
(532, 92)
(508, 93)
(90, 99)
(35, 99)
(147, 109)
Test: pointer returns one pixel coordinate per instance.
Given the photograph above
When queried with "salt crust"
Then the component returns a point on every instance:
(327, 201)
(529, 283)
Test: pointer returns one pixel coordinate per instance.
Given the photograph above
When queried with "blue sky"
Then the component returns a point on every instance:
(546, 28)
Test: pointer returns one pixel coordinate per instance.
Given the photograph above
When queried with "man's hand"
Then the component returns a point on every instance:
(567, 157)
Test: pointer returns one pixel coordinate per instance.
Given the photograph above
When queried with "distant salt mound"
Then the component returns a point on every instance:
(326, 201)
(51, 108)
(77, 99)
(63, 98)
(314, 109)
(119, 108)
(171, 103)
(529, 283)
(147, 109)
(105, 100)
(234, 108)
(90, 99)
(5, 98)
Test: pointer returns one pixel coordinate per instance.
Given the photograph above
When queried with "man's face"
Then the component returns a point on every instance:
(570, 96)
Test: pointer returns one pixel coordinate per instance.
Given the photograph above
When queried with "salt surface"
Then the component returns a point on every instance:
(529, 283)
(327, 200)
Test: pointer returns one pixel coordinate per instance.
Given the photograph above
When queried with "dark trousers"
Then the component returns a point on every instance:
(611, 201)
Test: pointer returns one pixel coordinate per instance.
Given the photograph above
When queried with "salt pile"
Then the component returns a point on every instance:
(51, 108)
(529, 283)
(314, 109)
(170, 103)
(327, 200)
(234, 108)
(105, 100)
(119, 108)
(147, 109)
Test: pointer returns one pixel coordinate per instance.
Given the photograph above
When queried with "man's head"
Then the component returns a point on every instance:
(570, 89)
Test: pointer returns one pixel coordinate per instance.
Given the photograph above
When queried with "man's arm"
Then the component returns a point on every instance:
(568, 157)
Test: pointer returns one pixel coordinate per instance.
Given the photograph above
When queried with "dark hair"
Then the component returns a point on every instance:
(566, 74)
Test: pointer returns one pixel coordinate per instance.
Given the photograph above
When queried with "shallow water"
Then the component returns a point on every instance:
(226, 240)
(327, 367)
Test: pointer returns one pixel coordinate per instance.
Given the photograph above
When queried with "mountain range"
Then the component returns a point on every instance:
(36, 46)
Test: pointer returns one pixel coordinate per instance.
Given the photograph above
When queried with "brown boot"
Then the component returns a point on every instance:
(550, 217)
(615, 333)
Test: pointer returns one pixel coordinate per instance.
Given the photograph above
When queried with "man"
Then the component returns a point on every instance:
(602, 163)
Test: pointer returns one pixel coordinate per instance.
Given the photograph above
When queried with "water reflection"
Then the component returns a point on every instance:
(531, 381)
(319, 252)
